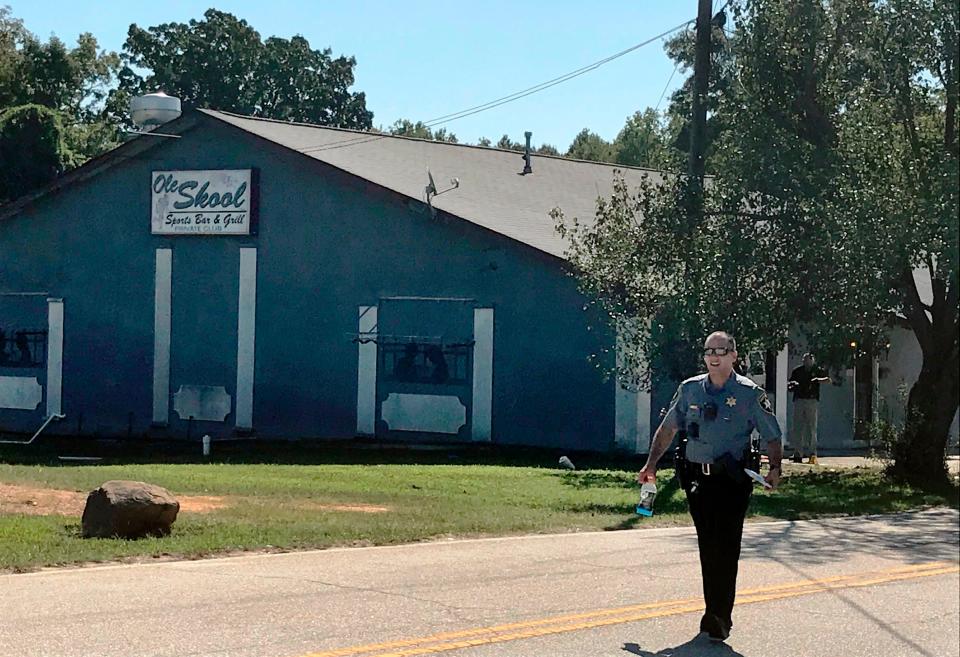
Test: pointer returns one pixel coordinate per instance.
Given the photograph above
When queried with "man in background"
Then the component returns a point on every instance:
(805, 382)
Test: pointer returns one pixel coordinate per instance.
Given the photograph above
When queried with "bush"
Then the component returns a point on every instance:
(32, 149)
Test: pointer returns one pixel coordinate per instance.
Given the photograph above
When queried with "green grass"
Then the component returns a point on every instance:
(276, 506)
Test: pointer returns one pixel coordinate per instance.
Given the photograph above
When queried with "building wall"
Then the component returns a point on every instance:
(327, 244)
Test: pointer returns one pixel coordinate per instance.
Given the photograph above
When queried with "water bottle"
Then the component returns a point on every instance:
(648, 493)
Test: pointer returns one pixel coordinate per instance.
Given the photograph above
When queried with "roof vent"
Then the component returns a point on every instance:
(153, 110)
(527, 168)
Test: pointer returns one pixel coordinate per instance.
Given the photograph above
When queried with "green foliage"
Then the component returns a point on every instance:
(74, 81)
(664, 281)
(591, 146)
(508, 144)
(676, 131)
(407, 128)
(71, 85)
(643, 142)
(32, 149)
(220, 62)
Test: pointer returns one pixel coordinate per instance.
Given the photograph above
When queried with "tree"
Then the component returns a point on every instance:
(32, 149)
(220, 62)
(407, 128)
(642, 142)
(591, 146)
(682, 49)
(54, 98)
(835, 180)
(508, 144)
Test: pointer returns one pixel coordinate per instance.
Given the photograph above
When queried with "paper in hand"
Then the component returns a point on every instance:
(757, 477)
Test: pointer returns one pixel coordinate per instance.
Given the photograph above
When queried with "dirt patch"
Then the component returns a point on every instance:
(30, 500)
(16, 498)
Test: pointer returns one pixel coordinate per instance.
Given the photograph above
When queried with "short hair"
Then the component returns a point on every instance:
(731, 342)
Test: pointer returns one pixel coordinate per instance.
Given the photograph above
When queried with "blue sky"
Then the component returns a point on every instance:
(421, 60)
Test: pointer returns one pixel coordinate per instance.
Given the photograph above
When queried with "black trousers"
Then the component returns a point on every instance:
(718, 507)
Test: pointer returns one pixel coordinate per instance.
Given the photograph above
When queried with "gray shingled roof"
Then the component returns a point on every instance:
(492, 192)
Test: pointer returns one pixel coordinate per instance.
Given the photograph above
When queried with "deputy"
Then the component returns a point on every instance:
(719, 411)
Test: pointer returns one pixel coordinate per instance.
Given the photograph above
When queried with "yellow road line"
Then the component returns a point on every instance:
(602, 617)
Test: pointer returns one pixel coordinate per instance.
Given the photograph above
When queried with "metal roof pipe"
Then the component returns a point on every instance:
(527, 168)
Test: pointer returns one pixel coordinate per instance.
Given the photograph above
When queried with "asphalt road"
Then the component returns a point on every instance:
(884, 585)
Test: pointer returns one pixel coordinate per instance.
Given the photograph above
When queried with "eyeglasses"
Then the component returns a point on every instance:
(716, 351)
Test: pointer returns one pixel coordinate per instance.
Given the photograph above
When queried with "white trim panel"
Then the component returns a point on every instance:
(246, 337)
(482, 374)
(209, 403)
(20, 392)
(367, 371)
(161, 336)
(783, 373)
(631, 417)
(625, 415)
(54, 356)
(644, 431)
(428, 413)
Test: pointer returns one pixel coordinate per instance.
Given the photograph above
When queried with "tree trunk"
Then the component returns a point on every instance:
(919, 458)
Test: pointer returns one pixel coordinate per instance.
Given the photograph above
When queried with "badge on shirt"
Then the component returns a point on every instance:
(731, 401)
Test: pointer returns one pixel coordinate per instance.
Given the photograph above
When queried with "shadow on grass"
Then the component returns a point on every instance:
(850, 492)
(599, 479)
(669, 502)
(814, 494)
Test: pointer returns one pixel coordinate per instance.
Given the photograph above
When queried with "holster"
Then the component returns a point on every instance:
(680, 462)
(733, 469)
(752, 457)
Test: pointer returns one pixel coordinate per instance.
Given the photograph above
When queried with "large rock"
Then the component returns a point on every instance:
(129, 509)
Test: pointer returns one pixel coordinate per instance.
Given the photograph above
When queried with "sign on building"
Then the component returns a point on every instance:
(212, 202)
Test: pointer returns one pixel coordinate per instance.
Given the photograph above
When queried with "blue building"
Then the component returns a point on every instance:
(271, 279)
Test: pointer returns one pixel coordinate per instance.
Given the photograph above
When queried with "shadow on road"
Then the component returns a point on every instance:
(695, 647)
(915, 537)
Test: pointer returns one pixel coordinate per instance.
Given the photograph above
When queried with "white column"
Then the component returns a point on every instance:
(367, 371)
(783, 373)
(161, 336)
(482, 374)
(644, 430)
(632, 417)
(54, 356)
(625, 419)
(246, 337)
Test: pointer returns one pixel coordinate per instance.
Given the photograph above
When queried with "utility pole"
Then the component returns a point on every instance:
(701, 77)
(695, 164)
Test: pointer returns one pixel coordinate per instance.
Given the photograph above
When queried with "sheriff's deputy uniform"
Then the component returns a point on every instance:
(718, 424)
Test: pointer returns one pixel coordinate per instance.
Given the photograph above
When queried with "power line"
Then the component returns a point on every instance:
(666, 86)
(446, 118)
(550, 83)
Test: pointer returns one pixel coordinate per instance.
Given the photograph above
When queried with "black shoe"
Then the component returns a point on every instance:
(797, 458)
(715, 627)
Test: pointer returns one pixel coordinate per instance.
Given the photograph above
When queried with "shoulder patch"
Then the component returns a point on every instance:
(764, 402)
(676, 396)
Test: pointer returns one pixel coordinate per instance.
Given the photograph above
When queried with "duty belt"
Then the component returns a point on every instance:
(706, 468)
